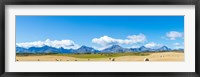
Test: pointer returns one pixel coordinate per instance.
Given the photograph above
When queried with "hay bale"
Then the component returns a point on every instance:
(109, 58)
(113, 59)
(146, 59)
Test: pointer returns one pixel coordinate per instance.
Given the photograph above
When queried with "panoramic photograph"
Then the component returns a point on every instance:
(100, 38)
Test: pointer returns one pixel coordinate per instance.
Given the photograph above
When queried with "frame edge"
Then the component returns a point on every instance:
(2, 47)
(197, 28)
(2, 39)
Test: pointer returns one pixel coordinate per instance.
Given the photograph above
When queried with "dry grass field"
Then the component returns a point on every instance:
(152, 56)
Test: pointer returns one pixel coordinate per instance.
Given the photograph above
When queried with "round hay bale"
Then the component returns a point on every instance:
(146, 59)
(109, 58)
(113, 59)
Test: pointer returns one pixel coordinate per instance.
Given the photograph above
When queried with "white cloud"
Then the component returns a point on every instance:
(172, 35)
(136, 38)
(66, 44)
(135, 46)
(106, 40)
(152, 45)
(178, 45)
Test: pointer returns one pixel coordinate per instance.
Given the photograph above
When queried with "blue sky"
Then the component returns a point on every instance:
(101, 31)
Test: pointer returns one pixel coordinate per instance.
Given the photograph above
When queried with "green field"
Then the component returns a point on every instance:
(99, 55)
(92, 55)
(103, 55)
(127, 56)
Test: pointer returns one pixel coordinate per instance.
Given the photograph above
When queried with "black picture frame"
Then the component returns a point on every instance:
(99, 2)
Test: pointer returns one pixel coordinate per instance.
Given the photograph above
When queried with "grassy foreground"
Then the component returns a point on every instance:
(129, 56)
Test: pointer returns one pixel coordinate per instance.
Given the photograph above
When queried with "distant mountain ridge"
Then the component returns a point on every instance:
(115, 48)
(85, 49)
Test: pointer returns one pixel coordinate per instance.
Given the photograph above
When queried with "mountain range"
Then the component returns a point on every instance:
(85, 49)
